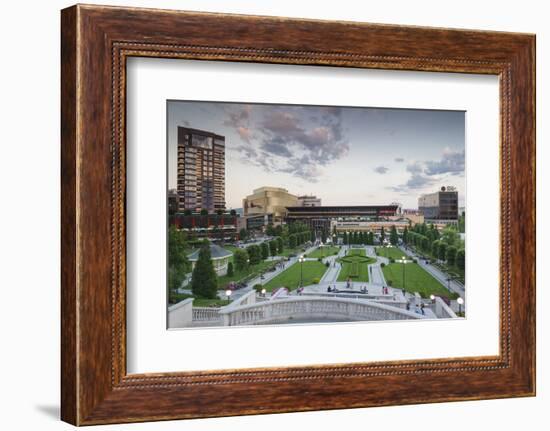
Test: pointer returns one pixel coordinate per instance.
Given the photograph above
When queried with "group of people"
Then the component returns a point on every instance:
(418, 309)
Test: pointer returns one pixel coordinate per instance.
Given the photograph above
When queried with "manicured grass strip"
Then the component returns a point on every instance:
(321, 252)
(202, 302)
(290, 277)
(356, 252)
(416, 280)
(355, 266)
(390, 252)
(251, 272)
(199, 302)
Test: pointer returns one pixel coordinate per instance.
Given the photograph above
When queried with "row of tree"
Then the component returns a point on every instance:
(358, 238)
(446, 246)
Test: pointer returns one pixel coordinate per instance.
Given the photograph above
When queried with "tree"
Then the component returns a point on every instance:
(273, 246)
(240, 259)
(451, 255)
(187, 212)
(280, 245)
(264, 250)
(243, 234)
(394, 238)
(292, 241)
(460, 260)
(254, 254)
(345, 238)
(435, 248)
(442, 251)
(205, 280)
(233, 213)
(382, 234)
(204, 212)
(324, 236)
(178, 264)
(371, 238)
(425, 243)
(312, 236)
(462, 222)
(270, 230)
(219, 212)
(450, 235)
(230, 269)
(404, 236)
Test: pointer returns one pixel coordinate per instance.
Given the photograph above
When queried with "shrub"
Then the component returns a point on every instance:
(327, 264)
(382, 265)
(230, 269)
(316, 281)
(320, 260)
(258, 287)
(415, 261)
(392, 260)
(390, 283)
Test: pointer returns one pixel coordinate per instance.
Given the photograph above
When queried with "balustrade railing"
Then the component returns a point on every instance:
(312, 308)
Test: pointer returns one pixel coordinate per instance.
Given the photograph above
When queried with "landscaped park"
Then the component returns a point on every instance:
(355, 265)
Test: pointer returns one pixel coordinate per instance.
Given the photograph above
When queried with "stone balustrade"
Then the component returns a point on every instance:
(206, 314)
(442, 310)
(312, 308)
(180, 315)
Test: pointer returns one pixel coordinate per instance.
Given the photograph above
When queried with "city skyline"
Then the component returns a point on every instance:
(343, 155)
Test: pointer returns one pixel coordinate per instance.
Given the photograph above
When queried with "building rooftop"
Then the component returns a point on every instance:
(216, 252)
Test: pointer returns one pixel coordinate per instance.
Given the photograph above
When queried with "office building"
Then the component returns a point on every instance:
(200, 170)
(441, 205)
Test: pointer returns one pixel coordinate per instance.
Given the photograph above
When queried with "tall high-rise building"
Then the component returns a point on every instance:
(201, 170)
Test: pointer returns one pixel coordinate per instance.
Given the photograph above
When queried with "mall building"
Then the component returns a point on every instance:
(272, 201)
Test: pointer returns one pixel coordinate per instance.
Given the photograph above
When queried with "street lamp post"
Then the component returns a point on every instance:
(403, 262)
(460, 301)
(228, 293)
(263, 292)
(301, 260)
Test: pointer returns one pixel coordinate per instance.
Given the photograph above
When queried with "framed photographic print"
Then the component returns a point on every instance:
(252, 205)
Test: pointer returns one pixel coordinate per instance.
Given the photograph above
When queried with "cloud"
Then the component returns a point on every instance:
(452, 162)
(415, 167)
(381, 170)
(399, 160)
(416, 182)
(429, 173)
(290, 139)
(239, 118)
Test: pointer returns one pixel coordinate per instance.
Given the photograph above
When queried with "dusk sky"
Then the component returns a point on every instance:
(345, 156)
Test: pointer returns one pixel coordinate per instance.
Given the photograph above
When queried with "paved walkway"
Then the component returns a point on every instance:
(439, 275)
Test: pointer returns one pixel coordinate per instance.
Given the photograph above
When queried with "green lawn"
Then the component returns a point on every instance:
(288, 251)
(416, 280)
(198, 302)
(202, 302)
(251, 272)
(323, 252)
(390, 252)
(290, 277)
(355, 266)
